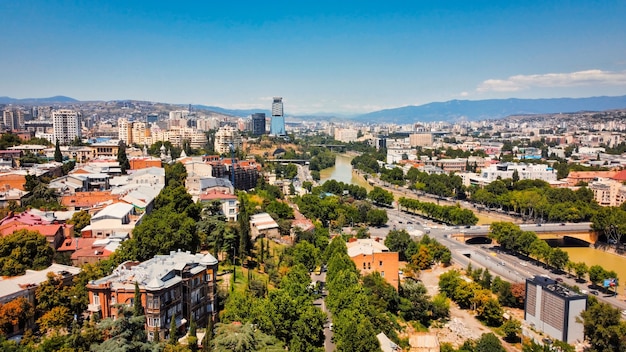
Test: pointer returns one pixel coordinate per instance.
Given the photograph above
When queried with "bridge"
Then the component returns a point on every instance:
(339, 147)
(288, 161)
(579, 231)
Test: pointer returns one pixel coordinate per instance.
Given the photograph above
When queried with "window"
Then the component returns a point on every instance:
(382, 273)
(96, 299)
(369, 265)
(380, 263)
(363, 265)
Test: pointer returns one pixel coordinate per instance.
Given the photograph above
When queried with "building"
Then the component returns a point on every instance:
(421, 139)
(226, 136)
(174, 286)
(277, 127)
(554, 309)
(369, 255)
(608, 192)
(263, 225)
(524, 172)
(346, 135)
(24, 286)
(66, 125)
(258, 124)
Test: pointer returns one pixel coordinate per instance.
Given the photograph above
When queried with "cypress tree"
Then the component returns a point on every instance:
(192, 340)
(58, 157)
(137, 307)
(173, 340)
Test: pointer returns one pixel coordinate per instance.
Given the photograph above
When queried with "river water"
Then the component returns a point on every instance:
(342, 172)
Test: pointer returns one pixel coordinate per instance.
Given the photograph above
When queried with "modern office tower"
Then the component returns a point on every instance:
(66, 125)
(554, 309)
(258, 124)
(277, 127)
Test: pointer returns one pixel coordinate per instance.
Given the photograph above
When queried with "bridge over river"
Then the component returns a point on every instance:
(581, 231)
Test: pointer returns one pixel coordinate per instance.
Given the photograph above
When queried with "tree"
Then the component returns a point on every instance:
(603, 327)
(243, 338)
(122, 158)
(207, 340)
(558, 258)
(15, 314)
(23, 250)
(489, 343)
(56, 318)
(80, 220)
(512, 329)
(398, 241)
(380, 196)
(377, 217)
(173, 331)
(58, 157)
(137, 306)
(192, 339)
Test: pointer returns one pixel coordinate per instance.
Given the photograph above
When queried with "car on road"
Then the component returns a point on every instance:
(624, 312)
(594, 292)
(559, 279)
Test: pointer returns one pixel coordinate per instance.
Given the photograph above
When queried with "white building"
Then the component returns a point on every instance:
(66, 124)
(524, 171)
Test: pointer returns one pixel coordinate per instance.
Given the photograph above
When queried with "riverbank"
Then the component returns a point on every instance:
(485, 217)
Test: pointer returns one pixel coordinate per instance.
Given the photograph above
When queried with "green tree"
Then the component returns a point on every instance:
(80, 220)
(192, 339)
(512, 329)
(380, 196)
(58, 157)
(489, 343)
(173, 340)
(122, 158)
(398, 241)
(603, 327)
(137, 306)
(23, 250)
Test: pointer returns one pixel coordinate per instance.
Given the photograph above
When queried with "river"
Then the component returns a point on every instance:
(342, 172)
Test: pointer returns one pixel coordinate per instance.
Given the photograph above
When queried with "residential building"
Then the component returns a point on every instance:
(421, 139)
(172, 287)
(258, 124)
(277, 126)
(524, 172)
(66, 124)
(115, 219)
(225, 137)
(370, 255)
(608, 192)
(227, 200)
(263, 225)
(554, 309)
(346, 135)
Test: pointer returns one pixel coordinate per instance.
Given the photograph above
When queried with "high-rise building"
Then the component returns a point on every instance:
(554, 309)
(258, 124)
(66, 124)
(226, 136)
(277, 127)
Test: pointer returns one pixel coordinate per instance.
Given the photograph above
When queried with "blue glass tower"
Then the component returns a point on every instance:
(277, 126)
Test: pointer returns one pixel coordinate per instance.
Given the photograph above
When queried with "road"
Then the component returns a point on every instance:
(507, 266)
(329, 346)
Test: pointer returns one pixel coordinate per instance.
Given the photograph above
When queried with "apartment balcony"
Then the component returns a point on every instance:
(92, 307)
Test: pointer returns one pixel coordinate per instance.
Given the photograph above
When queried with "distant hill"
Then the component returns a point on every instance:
(232, 112)
(491, 109)
(55, 99)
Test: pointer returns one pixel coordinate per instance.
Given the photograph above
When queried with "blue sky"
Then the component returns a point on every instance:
(320, 56)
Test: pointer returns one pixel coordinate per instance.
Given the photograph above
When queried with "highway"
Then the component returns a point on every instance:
(507, 266)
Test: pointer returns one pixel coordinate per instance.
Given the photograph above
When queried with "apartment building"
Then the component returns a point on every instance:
(66, 125)
(370, 255)
(554, 309)
(175, 287)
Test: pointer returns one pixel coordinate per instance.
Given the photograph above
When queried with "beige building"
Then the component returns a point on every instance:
(607, 192)
(421, 139)
(224, 137)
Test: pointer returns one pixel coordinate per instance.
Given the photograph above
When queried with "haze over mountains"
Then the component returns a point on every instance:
(439, 111)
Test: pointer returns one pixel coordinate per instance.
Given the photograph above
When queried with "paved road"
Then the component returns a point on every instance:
(329, 346)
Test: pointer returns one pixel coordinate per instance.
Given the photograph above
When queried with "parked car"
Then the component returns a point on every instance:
(594, 292)
(559, 279)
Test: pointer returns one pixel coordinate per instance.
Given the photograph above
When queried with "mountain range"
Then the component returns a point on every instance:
(491, 109)
(452, 110)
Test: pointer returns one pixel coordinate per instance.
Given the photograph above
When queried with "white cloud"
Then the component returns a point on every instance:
(572, 79)
(464, 94)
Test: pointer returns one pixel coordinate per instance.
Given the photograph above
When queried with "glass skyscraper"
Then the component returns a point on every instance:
(277, 127)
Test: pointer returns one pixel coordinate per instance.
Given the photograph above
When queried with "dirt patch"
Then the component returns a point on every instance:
(463, 324)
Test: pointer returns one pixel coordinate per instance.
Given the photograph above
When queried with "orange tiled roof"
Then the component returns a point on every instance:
(88, 199)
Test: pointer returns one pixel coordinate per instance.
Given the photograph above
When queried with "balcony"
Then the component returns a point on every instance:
(92, 307)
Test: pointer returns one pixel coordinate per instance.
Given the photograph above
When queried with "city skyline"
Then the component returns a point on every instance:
(343, 57)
